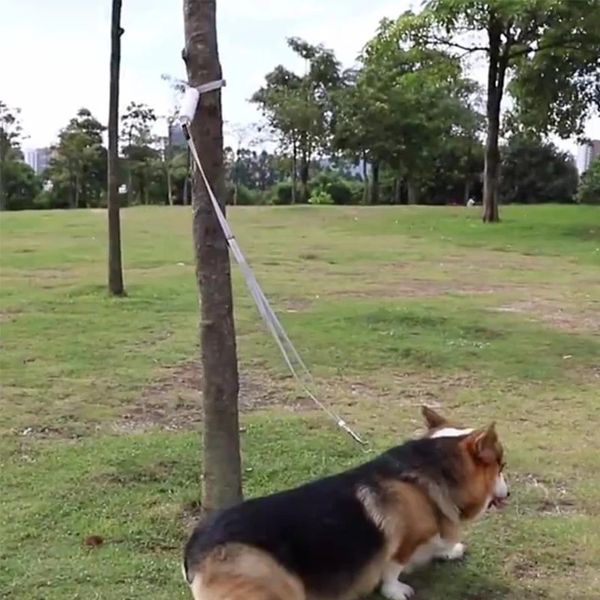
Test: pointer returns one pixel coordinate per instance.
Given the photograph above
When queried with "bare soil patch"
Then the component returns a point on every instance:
(173, 401)
(557, 315)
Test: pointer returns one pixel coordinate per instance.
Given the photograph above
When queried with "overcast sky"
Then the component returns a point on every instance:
(54, 54)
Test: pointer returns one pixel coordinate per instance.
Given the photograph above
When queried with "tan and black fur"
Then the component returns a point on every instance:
(340, 537)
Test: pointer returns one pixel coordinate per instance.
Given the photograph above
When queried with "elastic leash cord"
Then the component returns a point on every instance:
(292, 358)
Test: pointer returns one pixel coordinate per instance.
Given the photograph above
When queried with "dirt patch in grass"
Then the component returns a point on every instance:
(557, 315)
(173, 401)
(548, 497)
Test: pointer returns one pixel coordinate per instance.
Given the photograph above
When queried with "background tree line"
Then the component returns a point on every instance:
(406, 124)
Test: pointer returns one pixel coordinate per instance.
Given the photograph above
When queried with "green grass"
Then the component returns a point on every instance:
(390, 306)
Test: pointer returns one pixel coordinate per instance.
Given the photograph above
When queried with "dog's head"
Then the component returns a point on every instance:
(479, 464)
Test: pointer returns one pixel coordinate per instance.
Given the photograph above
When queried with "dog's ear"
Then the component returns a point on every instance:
(432, 418)
(485, 444)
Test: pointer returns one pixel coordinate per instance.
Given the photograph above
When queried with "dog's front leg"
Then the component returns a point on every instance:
(450, 547)
(391, 588)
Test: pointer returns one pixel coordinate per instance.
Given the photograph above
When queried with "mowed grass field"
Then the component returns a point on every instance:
(391, 307)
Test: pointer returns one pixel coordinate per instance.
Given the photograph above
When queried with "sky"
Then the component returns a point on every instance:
(55, 53)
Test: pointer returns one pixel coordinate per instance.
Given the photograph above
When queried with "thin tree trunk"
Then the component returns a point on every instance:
(304, 173)
(169, 186)
(221, 477)
(365, 178)
(413, 191)
(467, 193)
(398, 189)
(115, 268)
(374, 182)
(294, 171)
(77, 192)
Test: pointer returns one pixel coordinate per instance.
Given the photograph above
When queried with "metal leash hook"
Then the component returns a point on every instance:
(292, 358)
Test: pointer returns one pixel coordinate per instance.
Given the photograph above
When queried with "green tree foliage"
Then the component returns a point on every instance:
(299, 108)
(22, 185)
(589, 187)
(77, 168)
(524, 39)
(403, 106)
(536, 171)
(10, 135)
(141, 156)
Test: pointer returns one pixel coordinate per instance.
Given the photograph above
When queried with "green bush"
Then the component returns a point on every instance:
(248, 197)
(281, 193)
(342, 191)
(320, 196)
(589, 186)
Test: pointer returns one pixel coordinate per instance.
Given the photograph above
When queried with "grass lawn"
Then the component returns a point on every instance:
(391, 307)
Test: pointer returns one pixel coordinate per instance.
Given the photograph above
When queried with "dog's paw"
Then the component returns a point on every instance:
(396, 590)
(456, 552)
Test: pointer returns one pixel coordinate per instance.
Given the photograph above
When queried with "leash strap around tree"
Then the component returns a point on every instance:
(292, 358)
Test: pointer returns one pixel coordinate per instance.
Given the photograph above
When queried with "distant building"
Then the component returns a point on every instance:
(587, 154)
(176, 137)
(38, 159)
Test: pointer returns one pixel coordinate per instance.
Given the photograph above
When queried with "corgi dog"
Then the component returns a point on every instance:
(343, 536)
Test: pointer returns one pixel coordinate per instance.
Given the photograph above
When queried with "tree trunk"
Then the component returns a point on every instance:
(169, 186)
(294, 171)
(365, 178)
(492, 169)
(77, 191)
(467, 193)
(498, 63)
(413, 191)
(115, 268)
(221, 477)
(304, 172)
(374, 182)
(398, 189)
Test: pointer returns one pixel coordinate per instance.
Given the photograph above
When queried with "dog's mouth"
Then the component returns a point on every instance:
(498, 503)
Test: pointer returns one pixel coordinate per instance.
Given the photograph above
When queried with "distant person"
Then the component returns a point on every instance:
(471, 202)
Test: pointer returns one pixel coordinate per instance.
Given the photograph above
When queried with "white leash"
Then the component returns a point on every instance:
(296, 365)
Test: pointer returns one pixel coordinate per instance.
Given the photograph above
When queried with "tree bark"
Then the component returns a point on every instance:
(115, 268)
(294, 170)
(304, 172)
(498, 63)
(221, 477)
(413, 191)
(365, 178)
(374, 182)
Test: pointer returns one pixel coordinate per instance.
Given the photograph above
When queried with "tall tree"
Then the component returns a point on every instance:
(221, 478)
(401, 107)
(300, 107)
(139, 148)
(115, 267)
(589, 186)
(78, 163)
(511, 33)
(534, 170)
(10, 133)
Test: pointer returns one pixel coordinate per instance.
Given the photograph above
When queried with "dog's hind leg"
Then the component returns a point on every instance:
(242, 588)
